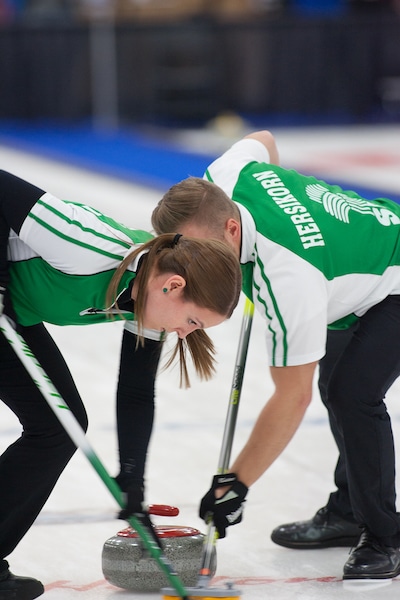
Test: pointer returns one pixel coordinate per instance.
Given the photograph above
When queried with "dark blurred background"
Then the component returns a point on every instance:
(187, 61)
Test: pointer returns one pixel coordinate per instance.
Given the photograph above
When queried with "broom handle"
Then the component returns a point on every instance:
(204, 576)
(236, 390)
(78, 436)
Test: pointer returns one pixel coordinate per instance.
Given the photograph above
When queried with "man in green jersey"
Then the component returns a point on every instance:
(65, 263)
(322, 266)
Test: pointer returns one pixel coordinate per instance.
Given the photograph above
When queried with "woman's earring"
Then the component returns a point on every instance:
(165, 290)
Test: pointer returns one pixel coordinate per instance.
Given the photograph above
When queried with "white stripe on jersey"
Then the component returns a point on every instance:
(71, 238)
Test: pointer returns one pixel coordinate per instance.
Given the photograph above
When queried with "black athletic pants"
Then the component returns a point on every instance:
(31, 466)
(359, 367)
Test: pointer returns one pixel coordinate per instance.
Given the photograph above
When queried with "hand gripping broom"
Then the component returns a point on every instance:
(204, 578)
(139, 521)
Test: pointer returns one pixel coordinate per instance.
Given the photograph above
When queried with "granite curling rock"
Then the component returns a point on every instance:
(127, 564)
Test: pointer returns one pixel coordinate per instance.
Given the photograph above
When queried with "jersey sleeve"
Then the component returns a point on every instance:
(292, 298)
(224, 170)
(73, 238)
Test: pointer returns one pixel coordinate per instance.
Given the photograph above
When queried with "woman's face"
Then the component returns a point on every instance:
(168, 311)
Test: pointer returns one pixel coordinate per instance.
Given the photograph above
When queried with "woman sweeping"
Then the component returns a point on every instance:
(67, 264)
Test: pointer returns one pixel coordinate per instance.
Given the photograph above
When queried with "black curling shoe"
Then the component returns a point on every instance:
(370, 559)
(13, 587)
(324, 530)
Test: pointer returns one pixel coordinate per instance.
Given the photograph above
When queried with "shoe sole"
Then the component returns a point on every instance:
(22, 593)
(332, 543)
(365, 576)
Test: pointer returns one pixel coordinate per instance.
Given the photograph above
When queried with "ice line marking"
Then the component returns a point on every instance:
(68, 585)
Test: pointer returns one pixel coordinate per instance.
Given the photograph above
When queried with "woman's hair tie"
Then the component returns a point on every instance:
(176, 240)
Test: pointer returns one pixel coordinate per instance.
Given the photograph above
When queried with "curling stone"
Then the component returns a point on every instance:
(127, 564)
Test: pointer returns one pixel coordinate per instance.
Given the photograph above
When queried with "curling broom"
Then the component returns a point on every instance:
(139, 521)
(203, 590)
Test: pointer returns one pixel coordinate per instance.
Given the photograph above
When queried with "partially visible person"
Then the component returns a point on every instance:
(67, 264)
(313, 257)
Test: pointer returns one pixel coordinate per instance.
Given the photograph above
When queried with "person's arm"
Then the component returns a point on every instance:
(268, 140)
(16, 199)
(277, 422)
(274, 428)
(135, 414)
(4, 235)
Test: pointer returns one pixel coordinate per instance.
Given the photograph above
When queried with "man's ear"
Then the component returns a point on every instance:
(232, 228)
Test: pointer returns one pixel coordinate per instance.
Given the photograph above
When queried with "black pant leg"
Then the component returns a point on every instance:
(356, 390)
(31, 466)
(337, 341)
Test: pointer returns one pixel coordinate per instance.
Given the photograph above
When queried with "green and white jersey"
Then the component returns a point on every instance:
(62, 262)
(312, 254)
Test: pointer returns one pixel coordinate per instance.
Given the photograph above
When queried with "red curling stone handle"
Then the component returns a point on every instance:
(163, 510)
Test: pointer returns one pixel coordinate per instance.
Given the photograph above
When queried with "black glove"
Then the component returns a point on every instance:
(134, 501)
(228, 509)
(134, 505)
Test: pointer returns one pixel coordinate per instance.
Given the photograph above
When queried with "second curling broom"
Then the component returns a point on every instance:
(203, 589)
